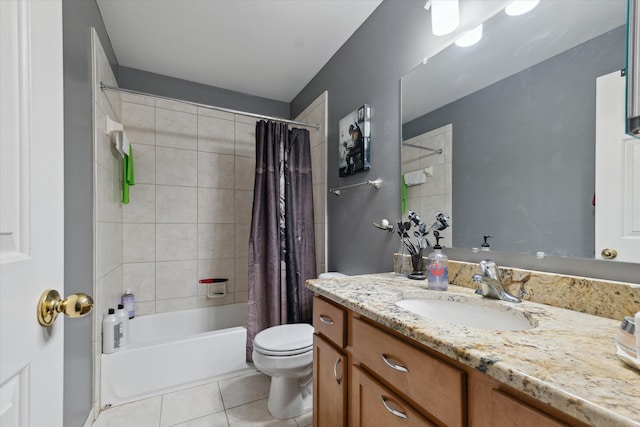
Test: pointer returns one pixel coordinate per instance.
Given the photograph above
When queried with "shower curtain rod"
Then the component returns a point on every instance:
(104, 87)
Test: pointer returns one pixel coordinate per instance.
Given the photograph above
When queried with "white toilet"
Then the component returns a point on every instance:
(285, 353)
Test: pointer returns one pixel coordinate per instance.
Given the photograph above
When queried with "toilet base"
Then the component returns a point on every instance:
(290, 397)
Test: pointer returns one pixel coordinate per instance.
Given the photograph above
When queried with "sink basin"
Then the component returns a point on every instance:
(466, 313)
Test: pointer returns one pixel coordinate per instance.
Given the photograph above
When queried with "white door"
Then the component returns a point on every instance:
(617, 174)
(31, 210)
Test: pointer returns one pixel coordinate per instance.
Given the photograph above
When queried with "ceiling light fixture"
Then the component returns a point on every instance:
(470, 37)
(445, 16)
(520, 7)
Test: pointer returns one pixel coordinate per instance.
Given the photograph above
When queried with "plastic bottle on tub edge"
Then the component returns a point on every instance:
(123, 318)
(110, 333)
(129, 302)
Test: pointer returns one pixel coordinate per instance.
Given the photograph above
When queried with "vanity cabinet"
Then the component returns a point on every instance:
(367, 375)
(330, 364)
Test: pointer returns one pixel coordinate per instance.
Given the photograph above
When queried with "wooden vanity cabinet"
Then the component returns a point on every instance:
(366, 375)
(330, 364)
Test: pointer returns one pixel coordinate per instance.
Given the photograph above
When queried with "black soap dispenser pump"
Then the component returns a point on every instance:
(438, 270)
(485, 245)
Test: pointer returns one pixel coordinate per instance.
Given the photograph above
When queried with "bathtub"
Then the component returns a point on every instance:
(167, 351)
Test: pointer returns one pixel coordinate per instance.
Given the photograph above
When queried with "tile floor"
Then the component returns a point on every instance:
(234, 402)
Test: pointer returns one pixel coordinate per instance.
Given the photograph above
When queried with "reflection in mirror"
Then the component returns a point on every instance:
(519, 109)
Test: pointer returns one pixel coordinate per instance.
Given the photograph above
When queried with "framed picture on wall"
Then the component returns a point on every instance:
(354, 142)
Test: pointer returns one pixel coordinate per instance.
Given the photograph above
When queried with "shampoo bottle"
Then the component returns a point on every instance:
(438, 270)
(110, 333)
(123, 318)
(129, 301)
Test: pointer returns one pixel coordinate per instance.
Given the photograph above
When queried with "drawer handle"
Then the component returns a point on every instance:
(325, 319)
(335, 370)
(393, 411)
(393, 365)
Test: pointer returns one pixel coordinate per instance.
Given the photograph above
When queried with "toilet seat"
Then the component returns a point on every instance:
(285, 340)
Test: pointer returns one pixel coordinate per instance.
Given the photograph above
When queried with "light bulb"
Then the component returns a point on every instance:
(520, 7)
(470, 37)
(445, 17)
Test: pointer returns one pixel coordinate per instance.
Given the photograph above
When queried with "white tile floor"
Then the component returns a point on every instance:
(234, 402)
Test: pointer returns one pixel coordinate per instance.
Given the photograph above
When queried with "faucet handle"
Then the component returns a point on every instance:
(490, 269)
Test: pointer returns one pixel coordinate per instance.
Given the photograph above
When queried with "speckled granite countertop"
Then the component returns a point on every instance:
(567, 361)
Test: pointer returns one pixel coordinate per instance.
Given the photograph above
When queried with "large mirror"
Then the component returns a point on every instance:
(514, 116)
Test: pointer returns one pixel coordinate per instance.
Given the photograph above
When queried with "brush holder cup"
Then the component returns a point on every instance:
(417, 263)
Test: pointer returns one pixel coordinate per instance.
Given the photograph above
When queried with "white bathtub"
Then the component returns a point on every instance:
(169, 350)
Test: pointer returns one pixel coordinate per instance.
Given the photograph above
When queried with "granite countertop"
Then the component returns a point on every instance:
(567, 361)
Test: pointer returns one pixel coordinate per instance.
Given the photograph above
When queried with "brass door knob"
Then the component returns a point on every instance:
(609, 253)
(50, 305)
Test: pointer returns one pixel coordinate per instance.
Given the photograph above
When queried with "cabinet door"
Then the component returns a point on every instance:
(329, 384)
(509, 412)
(378, 406)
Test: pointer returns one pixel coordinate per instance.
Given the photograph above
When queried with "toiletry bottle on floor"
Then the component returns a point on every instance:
(438, 269)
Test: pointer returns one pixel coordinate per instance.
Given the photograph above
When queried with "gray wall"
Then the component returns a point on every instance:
(78, 17)
(537, 153)
(367, 69)
(157, 84)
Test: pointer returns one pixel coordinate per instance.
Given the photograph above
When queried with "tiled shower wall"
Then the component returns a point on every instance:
(190, 210)
(435, 194)
(316, 113)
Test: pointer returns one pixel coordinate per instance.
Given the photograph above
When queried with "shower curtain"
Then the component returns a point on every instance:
(282, 239)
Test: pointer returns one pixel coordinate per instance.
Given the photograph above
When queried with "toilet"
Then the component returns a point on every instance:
(285, 353)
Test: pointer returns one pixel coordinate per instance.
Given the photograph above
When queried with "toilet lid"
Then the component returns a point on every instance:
(285, 340)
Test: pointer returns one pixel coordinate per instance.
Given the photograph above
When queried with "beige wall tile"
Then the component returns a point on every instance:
(245, 139)
(176, 242)
(142, 204)
(139, 123)
(140, 277)
(215, 241)
(104, 151)
(108, 293)
(176, 106)
(145, 307)
(176, 279)
(215, 206)
(175, 304)
(176, 167)
(176, 204)
(108, 247)
(215, 170)
(176, 129)
(216, 135)
(245, 172)
(203, 301)
(139, 241)
(241, 266)
(138, 99)
(318, 165)
(243, 206)
(108, 195)
(144, 160)
(242, 232)
(208, 112)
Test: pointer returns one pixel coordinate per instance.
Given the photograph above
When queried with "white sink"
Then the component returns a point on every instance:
(466, 313)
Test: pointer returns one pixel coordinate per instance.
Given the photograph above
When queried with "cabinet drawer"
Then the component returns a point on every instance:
(432, 384)
(330, 321)
(507, 411)
(378, 406)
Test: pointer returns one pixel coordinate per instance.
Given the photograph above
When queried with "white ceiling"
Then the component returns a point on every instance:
(268, 48)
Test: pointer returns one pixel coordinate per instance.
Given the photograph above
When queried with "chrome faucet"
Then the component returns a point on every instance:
(491, 282)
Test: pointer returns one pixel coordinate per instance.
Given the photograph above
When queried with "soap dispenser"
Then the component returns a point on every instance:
(438, 270)
(485, 246)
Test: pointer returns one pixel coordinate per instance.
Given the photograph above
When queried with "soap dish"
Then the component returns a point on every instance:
(635, 363)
